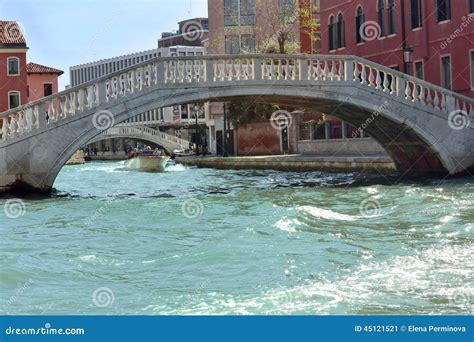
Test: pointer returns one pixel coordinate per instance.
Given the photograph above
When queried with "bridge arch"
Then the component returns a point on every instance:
(167, 141)
(408, 117)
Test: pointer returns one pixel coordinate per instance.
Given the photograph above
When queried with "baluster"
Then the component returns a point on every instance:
(408, 90)
(90, 96)
(5, 128)
(364, 74)
(356, 72)
(29, 119)
(13, 126)
(421, 96)
(436, 103)
(20, 122)
(51, 112)
(378, 80)
(443, 102)
(80, 98)
(371, 77)
(332, 74)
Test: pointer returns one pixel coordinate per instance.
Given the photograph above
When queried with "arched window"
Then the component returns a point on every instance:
(332, 34)
(381, 14)
(391, 17)
(360, 19)
(13, 66)
(341, 34)
(14, 99)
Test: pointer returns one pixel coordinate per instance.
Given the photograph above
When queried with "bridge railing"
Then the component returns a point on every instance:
(228, 69)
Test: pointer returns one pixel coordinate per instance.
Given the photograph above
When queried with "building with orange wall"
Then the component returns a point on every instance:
(42, 81)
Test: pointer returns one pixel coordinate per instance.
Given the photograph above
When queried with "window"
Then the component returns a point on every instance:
(239, 12)
(341, 34)
(48, 89)
(287, 10)
(319, 131)
(232, 45)
(391, 17)
(247, 12)
(305, 131)
(231, 12)
(472, 69)
(13, 99)
(446, 72)
(443, 10)
(13, 66)
(419, 72)
(415, 13)
(247, 43)
(359, 25)
(332, 34)
(381, 15)
(471, 6)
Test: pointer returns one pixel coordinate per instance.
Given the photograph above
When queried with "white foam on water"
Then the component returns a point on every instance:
(436, 276)
(176, 168)
(326, 214)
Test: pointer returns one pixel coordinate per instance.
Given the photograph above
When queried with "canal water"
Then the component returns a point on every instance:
(202, 241)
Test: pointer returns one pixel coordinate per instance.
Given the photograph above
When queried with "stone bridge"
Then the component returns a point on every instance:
(426, 129)
(167, 141)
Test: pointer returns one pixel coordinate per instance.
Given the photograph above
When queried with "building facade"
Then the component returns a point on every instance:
(13, 75)
(430, 39)
(42, 81)
(245, 26)
(191, 32)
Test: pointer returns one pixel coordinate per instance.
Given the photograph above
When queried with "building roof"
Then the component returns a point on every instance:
(33, 68)
(11, 34)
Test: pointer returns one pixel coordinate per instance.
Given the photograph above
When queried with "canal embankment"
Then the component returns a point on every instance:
(294, 163)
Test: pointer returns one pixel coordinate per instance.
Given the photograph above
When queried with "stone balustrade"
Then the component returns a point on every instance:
(215, 70)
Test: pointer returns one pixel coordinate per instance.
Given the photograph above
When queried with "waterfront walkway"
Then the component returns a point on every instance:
(294, 162)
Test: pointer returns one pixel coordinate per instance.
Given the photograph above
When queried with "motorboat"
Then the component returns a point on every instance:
(151, 161)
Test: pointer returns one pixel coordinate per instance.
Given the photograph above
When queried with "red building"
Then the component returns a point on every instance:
(430, 39)
(13, 76)
(20, 82)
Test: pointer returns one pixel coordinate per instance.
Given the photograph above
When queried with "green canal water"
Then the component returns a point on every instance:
(202, 241)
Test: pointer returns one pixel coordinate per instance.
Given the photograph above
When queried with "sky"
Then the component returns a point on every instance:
(63, 33)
